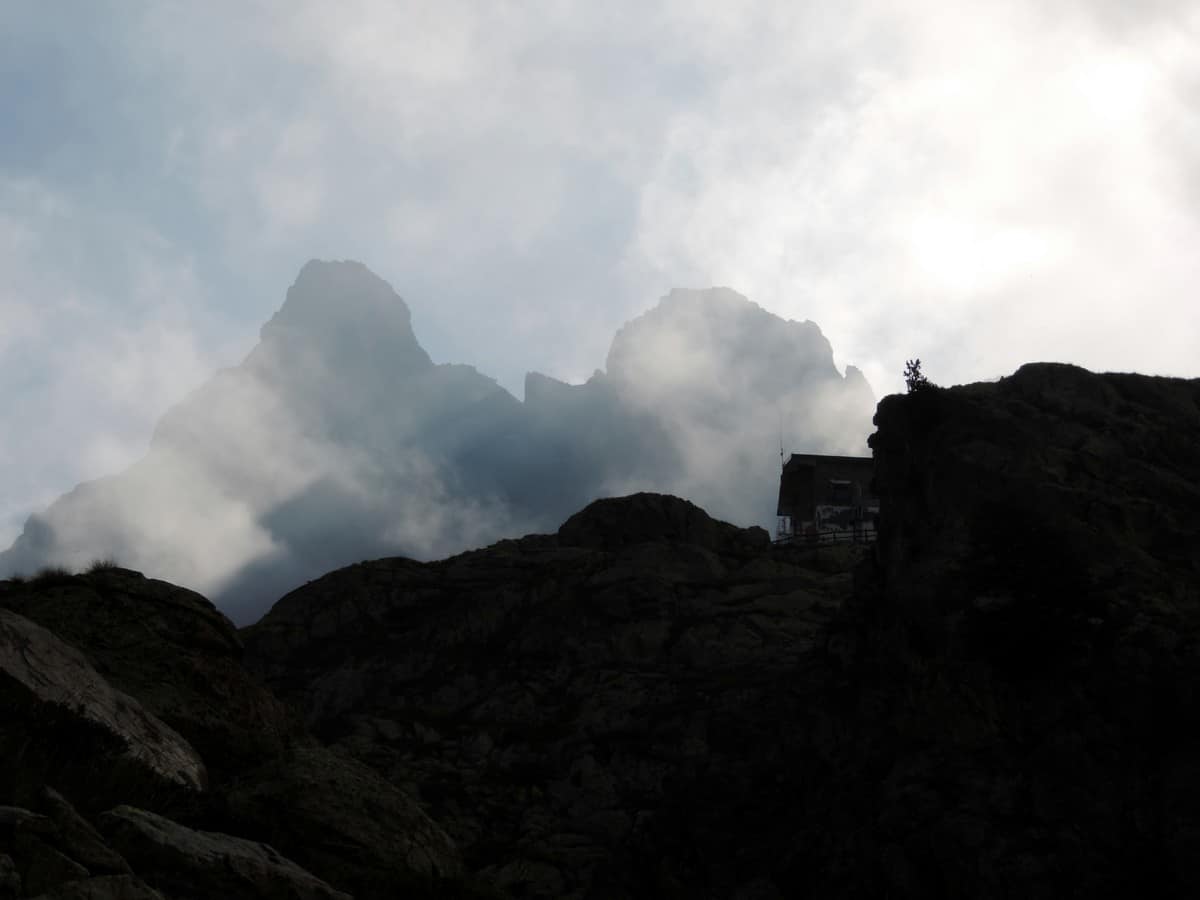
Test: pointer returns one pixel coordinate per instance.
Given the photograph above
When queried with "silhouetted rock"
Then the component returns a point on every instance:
(197, 864)
(61, 855)
(66, 725)
(170, 648)
(577, 710)
(1000, 700)
(10, 878)
(79, 838)
(343, 821)
(1028, 679)
(654, 518)
(46, 868)
(103, 887)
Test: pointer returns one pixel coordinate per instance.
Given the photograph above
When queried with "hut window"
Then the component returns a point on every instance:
(839, 493)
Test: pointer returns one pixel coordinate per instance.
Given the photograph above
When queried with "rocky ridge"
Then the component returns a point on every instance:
(339, 439)
(562, 703)
(999, 700)
(616, 639)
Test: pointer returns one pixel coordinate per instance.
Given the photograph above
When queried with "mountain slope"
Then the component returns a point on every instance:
(998, 699)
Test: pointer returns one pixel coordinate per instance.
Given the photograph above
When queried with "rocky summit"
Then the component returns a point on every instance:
(338, 439)
(998, 699)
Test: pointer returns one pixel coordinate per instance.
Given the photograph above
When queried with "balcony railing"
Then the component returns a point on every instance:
(832, 536)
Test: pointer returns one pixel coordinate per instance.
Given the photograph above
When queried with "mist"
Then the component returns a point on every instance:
(978, 188)
(338, 439)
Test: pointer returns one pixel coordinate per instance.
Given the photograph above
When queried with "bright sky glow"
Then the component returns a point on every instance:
(979, 185)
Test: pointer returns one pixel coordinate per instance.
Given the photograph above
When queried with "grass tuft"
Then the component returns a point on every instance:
(107, 564)
(52, 575)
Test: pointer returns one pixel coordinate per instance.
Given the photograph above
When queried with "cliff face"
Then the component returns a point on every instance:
(1053, 494)
(1030, 662)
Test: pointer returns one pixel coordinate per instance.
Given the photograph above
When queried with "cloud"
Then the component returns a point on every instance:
(338, 439)
(86, 373)
(977, 187)
(895, 173)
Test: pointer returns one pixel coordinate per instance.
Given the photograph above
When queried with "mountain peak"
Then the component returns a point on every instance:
(347, 312)
(338, 439)
(694, 335)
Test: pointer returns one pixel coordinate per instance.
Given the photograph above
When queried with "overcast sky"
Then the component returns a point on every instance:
(976, 184)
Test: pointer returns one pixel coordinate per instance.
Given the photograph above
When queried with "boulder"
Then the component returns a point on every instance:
(346, 823)
(171, 649)
(15, 819)
(60, 855)
(66, 725)
(46, 868)
(648, 518)
(79, 838)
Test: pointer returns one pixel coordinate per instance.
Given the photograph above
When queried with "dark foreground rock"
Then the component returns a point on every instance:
(200, 864)
(81, 728)
(170, 648)
(1028, 683)
(105, 887)
(1001, 699)
(650, 704)
(347, 822)
(57, 853)
(63, 720)
(610, 709)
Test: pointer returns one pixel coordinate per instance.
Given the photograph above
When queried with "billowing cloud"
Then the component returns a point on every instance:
(977, 187)
(85, 375)
(338, 439)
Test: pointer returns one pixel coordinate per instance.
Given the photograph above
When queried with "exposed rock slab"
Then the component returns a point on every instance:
(65, 724)
(171, 649)
(186, 863)
(346, 823)
(177, 654)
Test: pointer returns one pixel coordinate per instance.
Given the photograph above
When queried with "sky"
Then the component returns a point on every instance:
(978, 185)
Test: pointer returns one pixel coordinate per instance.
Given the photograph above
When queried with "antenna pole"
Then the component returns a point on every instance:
(780, 439)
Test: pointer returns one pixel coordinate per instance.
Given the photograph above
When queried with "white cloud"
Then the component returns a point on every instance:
(959, 177)
(975, 185)
(88, 362)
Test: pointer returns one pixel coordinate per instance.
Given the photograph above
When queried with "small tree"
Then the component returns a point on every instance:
(913, 377)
